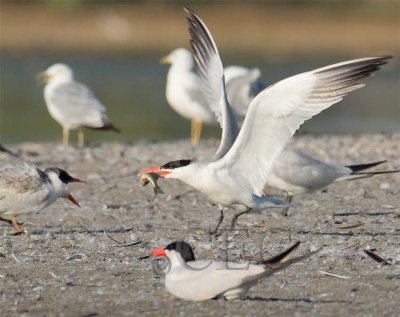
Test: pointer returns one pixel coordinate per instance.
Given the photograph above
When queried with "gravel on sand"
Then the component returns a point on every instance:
(68, 263)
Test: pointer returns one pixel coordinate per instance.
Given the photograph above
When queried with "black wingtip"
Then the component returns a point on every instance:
(106, 127)
(114, 128)
(188, 10)
(360, 167)
(386, 57)
(280, 257)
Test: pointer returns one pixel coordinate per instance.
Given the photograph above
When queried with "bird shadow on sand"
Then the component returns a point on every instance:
(296, 300)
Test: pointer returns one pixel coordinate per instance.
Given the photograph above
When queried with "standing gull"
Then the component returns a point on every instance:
(25, 189)
(184, 94)
(184, 90)
(72, 104)
(239, 171)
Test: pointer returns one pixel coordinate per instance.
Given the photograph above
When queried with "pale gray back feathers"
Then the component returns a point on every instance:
(23, 189)
(242, 89)
(299, 169)
(21, 177)
(77, 103)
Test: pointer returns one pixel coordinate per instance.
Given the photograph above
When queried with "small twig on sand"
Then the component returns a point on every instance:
(353, 226)
(121, 244)
(334, 275)
(374, 214)
(376, 258)
(367, 234)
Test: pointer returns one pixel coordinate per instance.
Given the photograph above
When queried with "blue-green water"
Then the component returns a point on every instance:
(133, 90)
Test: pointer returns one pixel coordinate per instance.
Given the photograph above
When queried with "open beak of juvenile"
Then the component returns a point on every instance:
(165, 60)
(43, 77)
(158, 171)
(72, 200)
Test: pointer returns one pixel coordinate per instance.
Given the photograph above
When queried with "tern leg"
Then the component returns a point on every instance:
(235, 217)
(81, 138)
(18, 229)
(221, 218)
(65, 136)
(196, 132)
(288, 198)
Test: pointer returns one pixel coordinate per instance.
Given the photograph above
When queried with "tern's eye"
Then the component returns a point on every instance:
(172, 166)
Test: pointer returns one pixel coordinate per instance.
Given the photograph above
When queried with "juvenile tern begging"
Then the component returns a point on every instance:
(198, 280)
(297, 173)
(72, 104)
(239, 171)
(25, 189)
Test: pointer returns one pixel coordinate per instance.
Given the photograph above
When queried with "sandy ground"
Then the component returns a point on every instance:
(67, 266)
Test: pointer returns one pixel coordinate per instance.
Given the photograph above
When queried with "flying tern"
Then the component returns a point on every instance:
(198, 280)
(25, 189)
(240, 169)
(72, 104)
(297, 173)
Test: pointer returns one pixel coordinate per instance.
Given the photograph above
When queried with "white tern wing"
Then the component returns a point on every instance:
(211, 72)
(278, 111)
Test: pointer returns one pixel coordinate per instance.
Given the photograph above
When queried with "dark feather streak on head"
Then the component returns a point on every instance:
(62, 175)
(176, 164)
(183, 248)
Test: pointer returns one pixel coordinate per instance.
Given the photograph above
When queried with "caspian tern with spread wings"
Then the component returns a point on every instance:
(239, 170)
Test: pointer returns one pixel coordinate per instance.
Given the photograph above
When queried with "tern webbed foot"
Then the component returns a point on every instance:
(214, 233)
(18, 229)
(19, 233)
